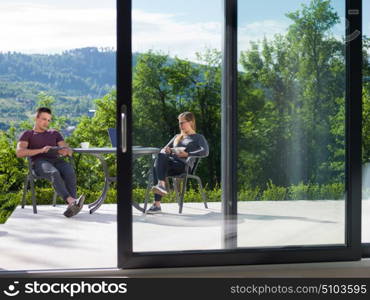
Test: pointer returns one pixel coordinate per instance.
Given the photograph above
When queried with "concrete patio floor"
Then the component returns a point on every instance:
(48, 240)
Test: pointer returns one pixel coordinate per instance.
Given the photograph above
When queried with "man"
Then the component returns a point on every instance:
(46, 147)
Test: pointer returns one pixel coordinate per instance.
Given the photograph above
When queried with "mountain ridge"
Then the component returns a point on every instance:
(74, 78)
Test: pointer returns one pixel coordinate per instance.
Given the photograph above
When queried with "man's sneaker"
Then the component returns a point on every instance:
(80, 203)
(70, 211)
(160, 190)
(75, 208)
(154, 209)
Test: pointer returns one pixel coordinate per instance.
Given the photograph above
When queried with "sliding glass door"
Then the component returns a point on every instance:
(275, 91)
(291, 123)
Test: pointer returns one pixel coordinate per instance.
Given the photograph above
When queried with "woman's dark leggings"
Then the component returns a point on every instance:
(166, 165)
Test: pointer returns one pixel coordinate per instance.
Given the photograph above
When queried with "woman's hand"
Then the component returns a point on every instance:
(166, 150)
(182, 154)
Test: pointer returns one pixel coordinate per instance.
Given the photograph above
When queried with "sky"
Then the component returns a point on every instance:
(176, 27)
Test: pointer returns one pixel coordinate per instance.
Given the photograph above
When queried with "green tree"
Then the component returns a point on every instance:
(273, 67)
(321, 77)
(45, 100)
(95, 131)
(164, 87)
(299, 76)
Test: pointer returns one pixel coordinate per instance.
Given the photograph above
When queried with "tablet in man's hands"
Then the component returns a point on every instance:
(55, 149)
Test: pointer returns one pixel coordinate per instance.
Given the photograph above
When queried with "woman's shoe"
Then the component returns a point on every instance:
(160, 190)
(154, 209)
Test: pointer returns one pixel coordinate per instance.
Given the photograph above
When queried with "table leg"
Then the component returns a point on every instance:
(107, 180)
(97, 203)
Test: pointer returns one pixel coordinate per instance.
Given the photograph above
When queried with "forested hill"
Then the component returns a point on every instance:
(74, 78)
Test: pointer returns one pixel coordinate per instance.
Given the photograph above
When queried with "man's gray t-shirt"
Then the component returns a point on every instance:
(38, 140)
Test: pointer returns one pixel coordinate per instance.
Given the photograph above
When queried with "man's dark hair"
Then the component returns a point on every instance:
(43, 110)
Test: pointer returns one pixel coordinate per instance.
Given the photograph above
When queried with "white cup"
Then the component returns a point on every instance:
(179, 149)
(85, 145)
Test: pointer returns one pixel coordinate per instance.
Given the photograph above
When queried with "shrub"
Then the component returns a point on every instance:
(214, 195)
(274, 192)
(332, 191)
(12, 170)
(299, 192)
(249, 194)
(314, 192)
(8, 202)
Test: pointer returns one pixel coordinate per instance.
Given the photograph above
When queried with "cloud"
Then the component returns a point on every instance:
(35, 28)
(44, 29)
(256, 31)
(165, 33)
(32, 28)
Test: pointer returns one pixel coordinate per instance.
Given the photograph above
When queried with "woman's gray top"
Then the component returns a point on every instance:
(195, 145)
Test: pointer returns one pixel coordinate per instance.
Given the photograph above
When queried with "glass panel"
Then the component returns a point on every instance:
(366, 125)
(59, 54)
(177, 68)
(291, 159)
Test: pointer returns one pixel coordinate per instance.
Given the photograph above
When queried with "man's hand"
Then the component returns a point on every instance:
(45, 149)
(65, 152)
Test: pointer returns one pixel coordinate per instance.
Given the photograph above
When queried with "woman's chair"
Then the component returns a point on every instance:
(180, 182)
(30, 181)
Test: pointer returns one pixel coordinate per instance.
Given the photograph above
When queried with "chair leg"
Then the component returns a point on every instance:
(202, 192)
(147, 192)
(175, 183)
(168, 186)
(182, 194)
(32, 183)
(25, 188)
(55, 198)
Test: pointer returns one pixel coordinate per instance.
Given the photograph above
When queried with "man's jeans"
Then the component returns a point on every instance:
(60, 173)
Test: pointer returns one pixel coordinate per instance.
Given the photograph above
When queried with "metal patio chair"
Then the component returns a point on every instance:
(180, 181)
(30, 181)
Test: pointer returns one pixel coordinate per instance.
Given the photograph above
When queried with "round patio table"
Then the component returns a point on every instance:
(137, 151)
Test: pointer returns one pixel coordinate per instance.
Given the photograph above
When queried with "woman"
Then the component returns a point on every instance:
(173, 158)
